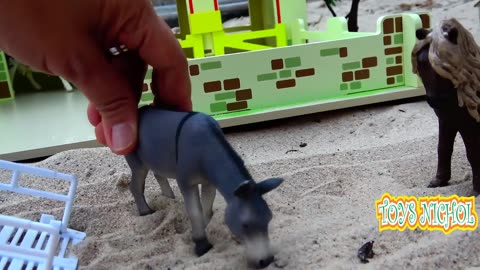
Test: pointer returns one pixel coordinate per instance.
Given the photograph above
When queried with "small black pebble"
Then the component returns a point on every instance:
(366, 252)
(401, 110)
(303, 144)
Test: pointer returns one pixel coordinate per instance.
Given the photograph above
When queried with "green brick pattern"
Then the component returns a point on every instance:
(5, 85)
(226, 95)
(398, 39)
(340, 51)
(335, 69)
(218, 107)
(351, 65)
(286, 71)
(353, 72)
(267, 77)
(400, 78)
(393, 42)
(146, 97)
(355, 85)
(293, 62)
(211, 65)
(330, 52)
(148, 76)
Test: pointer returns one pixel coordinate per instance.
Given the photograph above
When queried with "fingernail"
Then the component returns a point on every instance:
(123, 135)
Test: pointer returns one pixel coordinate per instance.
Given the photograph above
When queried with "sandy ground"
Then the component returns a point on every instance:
(323, 212)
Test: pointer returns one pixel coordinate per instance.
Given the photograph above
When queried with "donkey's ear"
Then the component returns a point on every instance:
(269, 185)
(244, 188)
(422, 33)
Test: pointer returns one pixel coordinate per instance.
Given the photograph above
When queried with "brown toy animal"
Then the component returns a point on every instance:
(447, 59)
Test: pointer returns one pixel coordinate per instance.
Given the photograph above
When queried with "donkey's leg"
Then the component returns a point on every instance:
(137, 187)
(446, 140)
(137, 184)
(165, 186)
(193, 206)
(471, 138)
(208, 197)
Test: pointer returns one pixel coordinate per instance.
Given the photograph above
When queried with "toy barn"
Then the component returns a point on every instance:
(274, 67)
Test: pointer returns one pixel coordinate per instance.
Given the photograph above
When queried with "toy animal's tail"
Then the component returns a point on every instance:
(179, 129)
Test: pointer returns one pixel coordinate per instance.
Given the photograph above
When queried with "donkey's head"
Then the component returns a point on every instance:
(248, 215)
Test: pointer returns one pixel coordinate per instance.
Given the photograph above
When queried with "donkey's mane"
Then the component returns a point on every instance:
(230, 151)
(459, 63)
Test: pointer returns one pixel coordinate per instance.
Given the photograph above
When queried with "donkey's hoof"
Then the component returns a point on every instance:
(474, 193)
(169, 195)
(202, 247)
(476, 184)
(146, 212)
(436, 182)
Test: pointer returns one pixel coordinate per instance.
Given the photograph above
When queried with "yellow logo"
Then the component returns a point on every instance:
(444, 214)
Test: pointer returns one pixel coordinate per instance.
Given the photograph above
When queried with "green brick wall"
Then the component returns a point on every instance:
(6, 92)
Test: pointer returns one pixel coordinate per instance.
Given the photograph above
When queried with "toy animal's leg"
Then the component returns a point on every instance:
(472, 145)
(446, 140)
(165, 186)
(34, 83)
(208, 197)
(194, 210)
(137, 187)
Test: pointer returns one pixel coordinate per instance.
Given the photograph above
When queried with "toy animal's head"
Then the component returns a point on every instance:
(448, 30)
(454, 55)
(248, 215)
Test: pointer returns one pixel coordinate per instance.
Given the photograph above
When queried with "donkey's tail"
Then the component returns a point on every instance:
(179, 130)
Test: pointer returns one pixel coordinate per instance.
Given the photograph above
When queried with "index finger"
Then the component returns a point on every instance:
(159, 48)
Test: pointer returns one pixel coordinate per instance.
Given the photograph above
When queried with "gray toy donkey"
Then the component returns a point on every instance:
(191, 147)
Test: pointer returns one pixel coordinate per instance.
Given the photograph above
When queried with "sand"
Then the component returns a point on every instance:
(323, 212)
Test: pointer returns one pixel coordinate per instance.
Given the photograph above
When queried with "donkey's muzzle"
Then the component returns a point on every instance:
(262, 263)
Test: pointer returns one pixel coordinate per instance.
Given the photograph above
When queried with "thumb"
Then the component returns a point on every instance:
(113, 102)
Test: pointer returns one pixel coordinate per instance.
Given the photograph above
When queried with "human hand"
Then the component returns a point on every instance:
(71, 39)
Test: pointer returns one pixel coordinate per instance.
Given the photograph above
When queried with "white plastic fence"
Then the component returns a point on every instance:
(26, 244)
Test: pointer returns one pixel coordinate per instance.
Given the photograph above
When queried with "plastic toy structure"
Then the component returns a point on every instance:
(191, 148)
(6, 89)
(27, 244)
(273, 68)
(447, 59)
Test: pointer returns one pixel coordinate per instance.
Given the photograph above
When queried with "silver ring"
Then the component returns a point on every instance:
(117, 50)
